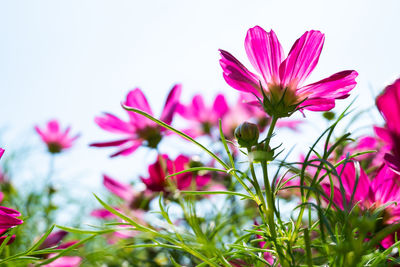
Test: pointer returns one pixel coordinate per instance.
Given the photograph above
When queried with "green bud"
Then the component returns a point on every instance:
(247, 134)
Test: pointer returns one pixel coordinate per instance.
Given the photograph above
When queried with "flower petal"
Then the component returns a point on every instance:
(220, 106)
(119, 189)
(336, 86)
(318, 104)
(302, 59)
(264, 52)
(389, 105)
(171, 104)
(113, 124)
(237, 76)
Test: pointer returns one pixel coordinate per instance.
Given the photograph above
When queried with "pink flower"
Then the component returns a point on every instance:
(56, 139)
(164, 166)
(1, 152)
(53, 239)
(389, 105)
(203, 118)
(280, 83)
(138, 130)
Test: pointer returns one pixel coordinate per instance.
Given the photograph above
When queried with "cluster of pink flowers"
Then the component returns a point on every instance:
(8, 218)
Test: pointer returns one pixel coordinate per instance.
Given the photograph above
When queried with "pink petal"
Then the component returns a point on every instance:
(389, 105)
(113, 124)
(129, 150)
(393, 162)
(65, 261)
(53, 126)
(102, 214)
(318, 104)
(336, 86)
(220, 106)
(1, 152)
(119, 189)
(264, 52)
(136, 99)
(171, 104)
(237, 76)
(111, 143)
(302, 59)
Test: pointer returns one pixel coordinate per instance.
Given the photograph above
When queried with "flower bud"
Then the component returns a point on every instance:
(247, 134)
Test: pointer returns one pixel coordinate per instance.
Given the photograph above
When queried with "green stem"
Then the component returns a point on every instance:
(269, 195)
(258, 189)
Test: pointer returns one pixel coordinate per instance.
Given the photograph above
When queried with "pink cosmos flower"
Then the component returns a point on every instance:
(388, 104)
(56, 139)
(138, 130)
(203, 118)
(164, 166)
(280, 81)
(383, 190)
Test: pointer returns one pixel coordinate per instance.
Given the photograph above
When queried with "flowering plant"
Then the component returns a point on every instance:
(241, 200)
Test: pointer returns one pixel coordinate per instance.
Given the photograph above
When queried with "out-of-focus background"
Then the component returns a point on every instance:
(73, 60)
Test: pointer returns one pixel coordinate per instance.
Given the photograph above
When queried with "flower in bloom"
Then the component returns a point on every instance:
(8, 218)
(389, 105)
(383, 190)
(56, 139)
(203, 118)
(138, 130)
(164, 166)
(279, 81)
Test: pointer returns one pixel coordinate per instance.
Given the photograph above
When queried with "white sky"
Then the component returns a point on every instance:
(72, 60)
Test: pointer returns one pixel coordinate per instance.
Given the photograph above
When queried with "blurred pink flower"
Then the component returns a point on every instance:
(388, 104)
(138, 130)
(1, 152)
(282, 79)
(203, 118)
(164, 166)
(56, 139)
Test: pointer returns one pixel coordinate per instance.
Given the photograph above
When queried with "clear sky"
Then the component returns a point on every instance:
(72, 60)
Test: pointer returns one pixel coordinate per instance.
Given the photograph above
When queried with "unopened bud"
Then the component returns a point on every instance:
(247, 134)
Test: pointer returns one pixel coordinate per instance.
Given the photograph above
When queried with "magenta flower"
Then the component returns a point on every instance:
(389, 105)
(138, 130)
(164, 166)
(1, 152)
(280, 84)
(203, 118)
(56, 139)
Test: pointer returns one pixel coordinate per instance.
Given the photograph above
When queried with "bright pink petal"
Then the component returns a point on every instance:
(65, 261)
(136, 99)
(237, 76)
(53, 126)
(336, 86)
(171, 104)
(264, 52)
(113, 124)
(389, 105)
(220, 106)
(318, 104)
(302, 59)
(1, 152)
